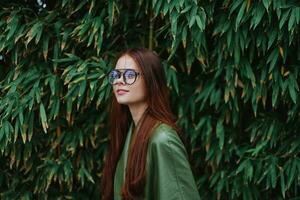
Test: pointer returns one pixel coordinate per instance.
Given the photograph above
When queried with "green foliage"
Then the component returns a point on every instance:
(232, 66)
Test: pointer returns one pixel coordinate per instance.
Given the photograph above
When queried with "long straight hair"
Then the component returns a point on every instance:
(158, 110)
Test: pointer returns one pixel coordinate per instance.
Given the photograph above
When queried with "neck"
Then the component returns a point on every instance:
(137, 110)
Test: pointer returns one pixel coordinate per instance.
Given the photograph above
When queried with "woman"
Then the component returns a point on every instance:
(146, 157)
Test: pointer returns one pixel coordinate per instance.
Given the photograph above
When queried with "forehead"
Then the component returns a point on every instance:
(126, 62)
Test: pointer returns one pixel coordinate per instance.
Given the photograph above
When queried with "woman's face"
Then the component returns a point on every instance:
(125, 93)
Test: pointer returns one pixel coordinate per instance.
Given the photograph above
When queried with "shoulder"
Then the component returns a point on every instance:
(164, 135)
(166, 147)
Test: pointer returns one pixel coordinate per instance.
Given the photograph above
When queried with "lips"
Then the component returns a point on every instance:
(122, 91)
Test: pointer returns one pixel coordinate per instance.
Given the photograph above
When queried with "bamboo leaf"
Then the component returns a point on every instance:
(43, 117)
(45, 46)
(266, 4)
(220, 134)
(240, 14)
(13, 23)
(282, 183)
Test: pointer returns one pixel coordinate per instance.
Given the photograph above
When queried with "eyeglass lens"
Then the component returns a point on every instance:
(129, 76)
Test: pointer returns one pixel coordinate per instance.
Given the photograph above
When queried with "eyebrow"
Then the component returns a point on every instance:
(124, 69)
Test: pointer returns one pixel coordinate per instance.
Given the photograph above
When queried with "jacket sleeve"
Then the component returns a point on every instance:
(170, 175)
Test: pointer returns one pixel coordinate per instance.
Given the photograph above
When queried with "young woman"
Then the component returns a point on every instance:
(146, 157)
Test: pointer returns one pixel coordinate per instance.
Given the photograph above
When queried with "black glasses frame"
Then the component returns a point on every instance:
(123, 75)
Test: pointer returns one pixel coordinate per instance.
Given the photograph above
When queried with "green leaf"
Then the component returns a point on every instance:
(43, 117)
(240, 15)
(292, 85)
(35, 32)
(192, 21)
(266, 4)
(242, 166)
(13, 23)
(200, 19)
(282, 183)
(234, 6)
(291, 172)
(284, 18)
(272, 37)
(2, 133)
(292, 93)
(275, 93)
(45, 46)
(220, 134)
(272, 59)
(273, 175)
(82, 88)
(111, 12)
(257, 16)
(292, 20)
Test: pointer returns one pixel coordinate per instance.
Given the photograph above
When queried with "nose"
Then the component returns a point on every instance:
(120, 81)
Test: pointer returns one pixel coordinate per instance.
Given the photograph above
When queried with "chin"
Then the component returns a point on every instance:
(122, 101)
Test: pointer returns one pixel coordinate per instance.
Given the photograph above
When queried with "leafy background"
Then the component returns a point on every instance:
(232, 66)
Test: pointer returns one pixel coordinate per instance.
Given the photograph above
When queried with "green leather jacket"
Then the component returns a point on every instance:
(169, 176)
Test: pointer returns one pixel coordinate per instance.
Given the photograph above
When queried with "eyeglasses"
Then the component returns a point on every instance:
(129, 76)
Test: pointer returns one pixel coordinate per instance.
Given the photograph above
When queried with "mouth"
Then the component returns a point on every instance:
(122, 91)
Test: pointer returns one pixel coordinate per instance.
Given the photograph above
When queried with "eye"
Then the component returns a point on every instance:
(114, 74)
(130, 74)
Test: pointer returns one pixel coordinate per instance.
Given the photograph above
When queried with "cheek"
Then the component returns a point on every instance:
(141, 90)
(114, 90)
(114, 87)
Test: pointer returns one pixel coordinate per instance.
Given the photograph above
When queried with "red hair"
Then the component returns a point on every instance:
(158, 110)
